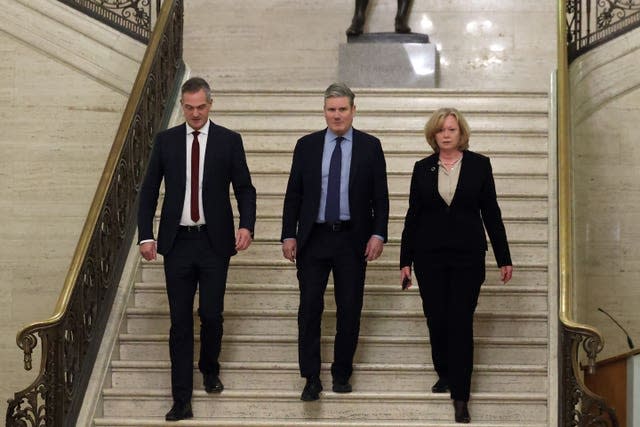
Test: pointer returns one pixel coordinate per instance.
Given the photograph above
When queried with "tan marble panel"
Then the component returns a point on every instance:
(607, 193)
(56, 127)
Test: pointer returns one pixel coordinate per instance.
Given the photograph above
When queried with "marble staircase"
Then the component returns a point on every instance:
(393, 371)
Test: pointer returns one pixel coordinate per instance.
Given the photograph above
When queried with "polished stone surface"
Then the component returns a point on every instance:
(606, 107)
(387, 64)
(286, 44)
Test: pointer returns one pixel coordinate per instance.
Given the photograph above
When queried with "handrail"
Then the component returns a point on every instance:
(71, 336)
(592, 23)
(578, 405)
(133, 18)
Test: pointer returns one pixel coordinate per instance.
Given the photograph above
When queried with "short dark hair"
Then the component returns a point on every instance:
(339, 90)
(195, 84)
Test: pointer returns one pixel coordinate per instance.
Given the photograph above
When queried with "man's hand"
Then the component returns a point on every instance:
(405, 274)
(374, 248)
(243, 239)
(506, 272)
(148, 250)
(289, 247)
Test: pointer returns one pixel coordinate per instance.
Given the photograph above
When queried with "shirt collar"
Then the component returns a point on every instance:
(203, 130)
(348, 135)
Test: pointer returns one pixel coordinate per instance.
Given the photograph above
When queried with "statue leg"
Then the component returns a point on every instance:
(402, 16)
(357, 23)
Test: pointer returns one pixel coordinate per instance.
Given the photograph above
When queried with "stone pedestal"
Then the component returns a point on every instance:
(390, 60)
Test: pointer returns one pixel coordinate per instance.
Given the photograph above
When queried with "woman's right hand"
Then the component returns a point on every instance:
(405, 277)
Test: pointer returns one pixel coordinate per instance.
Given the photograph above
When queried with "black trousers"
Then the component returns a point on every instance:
(190, 264)
(327, 252)
(449, 282)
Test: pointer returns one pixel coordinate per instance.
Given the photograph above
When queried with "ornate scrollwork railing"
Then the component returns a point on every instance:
(71, 337)
(131, 17)
(578, 405)
(590, 23)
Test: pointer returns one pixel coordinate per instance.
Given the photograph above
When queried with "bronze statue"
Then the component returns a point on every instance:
(402, 16)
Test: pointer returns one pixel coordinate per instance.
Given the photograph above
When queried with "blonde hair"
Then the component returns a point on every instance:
(434, 125)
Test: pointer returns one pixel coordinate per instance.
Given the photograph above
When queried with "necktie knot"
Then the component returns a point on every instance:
(195, 134)
(339, 139)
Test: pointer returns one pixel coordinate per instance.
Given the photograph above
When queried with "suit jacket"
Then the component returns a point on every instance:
(224, 164)
(431, 224)
(368, 192)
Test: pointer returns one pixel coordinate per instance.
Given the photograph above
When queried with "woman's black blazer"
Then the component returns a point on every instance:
(432, 225)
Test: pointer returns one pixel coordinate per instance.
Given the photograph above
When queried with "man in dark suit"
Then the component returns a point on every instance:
(198, 160)
(335, 216)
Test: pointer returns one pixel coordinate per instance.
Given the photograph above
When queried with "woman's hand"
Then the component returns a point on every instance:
(405, 277)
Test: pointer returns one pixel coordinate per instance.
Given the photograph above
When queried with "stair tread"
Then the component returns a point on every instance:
(165, 364)
(382, 339)
(287, 422)
(478, 397)
(164, 311)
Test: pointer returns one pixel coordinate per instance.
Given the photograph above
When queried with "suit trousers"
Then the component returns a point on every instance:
(325, 252)
(449, 283)
(191, 264)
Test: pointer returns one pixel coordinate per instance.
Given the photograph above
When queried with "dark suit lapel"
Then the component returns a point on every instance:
(315, 165)
(181, 154)
(209, 154)
(432, 172)
(466, 164)
(357, 152)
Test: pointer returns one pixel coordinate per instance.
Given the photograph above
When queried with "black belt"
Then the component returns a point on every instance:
(335, 226)
(193, 228)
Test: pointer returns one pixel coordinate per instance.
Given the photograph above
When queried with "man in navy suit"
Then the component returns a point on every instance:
(334, 219)
(198, 161)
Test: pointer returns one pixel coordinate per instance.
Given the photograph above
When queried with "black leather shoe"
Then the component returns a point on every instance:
(441, 386)
(212, 383)
(461, 411)
(179, 411)
(341, 386)
(312, 390)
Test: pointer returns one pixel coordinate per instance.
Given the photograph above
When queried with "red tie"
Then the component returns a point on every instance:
(195, 177)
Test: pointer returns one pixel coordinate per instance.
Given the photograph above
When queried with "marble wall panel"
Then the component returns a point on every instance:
(56, 128)
(294, 43)
(605, 113)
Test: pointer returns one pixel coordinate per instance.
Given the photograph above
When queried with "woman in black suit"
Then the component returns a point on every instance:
(452, 200)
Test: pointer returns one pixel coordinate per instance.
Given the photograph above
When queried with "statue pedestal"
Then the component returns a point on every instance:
(388, 60)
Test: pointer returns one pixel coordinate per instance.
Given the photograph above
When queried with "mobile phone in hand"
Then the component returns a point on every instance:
(405, 283)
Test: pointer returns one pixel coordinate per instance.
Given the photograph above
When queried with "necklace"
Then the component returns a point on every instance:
(451, 163)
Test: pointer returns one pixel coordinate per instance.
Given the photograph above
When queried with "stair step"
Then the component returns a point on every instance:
(366, 378)
(391, 349)
(409, 140)
(375, 323)
(522, 252)
(279, 270)
(252, 404)
(376, 121)
(521, 183)
(415, 100)
(526, 207)
(270, 228)
(504, 163)
(376, 297)
(278, 422)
